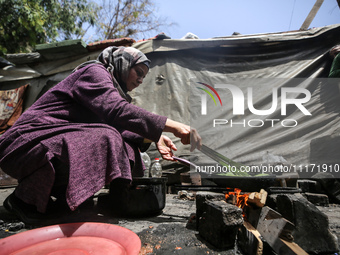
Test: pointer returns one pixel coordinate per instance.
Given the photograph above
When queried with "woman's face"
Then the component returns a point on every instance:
(136, 76)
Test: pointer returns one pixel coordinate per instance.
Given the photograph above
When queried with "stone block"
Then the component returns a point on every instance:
(220, 223)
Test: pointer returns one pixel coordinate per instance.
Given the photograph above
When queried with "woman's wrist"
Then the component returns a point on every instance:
(170, 126)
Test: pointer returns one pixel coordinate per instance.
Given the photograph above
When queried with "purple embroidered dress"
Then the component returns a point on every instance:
(84, 122)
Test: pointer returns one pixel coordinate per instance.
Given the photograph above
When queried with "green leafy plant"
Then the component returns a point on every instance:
(25, 23)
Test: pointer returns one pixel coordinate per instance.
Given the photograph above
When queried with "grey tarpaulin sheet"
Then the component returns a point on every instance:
(177, 66)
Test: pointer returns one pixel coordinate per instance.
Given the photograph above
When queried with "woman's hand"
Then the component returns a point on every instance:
(165, 147)
(184, 132)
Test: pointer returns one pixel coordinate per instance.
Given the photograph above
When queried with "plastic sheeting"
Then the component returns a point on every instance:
(284, 59)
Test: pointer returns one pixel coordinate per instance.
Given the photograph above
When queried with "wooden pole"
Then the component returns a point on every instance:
(311, 15)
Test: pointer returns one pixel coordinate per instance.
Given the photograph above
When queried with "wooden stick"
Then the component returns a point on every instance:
(249, 240)
(258, 198)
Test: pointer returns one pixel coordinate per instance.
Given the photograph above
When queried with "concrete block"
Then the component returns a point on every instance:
(220, 223)
(311, 231)
(330, 184)
(201, 198)
(317, 199)
(307, 185)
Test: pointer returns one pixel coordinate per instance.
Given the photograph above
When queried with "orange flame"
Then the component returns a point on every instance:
(241, 200)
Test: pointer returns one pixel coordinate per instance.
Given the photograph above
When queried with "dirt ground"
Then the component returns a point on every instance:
(171, 232)
(333, 213)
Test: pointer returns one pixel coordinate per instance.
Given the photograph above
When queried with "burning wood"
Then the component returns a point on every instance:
(258, 198)
(263, 229)
(241, 200)
(249, 239)
(236, 198)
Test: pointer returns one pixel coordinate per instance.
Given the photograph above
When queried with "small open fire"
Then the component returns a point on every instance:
(260, 222)
(236, 198)
(282, 221)
(242, 200)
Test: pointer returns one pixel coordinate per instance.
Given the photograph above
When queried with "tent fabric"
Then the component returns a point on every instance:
(283, 58)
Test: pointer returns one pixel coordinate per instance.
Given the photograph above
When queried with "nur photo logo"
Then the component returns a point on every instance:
(241, 101)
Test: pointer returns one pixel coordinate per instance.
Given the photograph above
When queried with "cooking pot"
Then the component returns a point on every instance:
(146, 196)
(250, 183)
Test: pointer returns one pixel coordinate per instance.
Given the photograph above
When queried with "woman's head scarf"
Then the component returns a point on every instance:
(118, 61)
